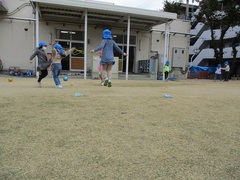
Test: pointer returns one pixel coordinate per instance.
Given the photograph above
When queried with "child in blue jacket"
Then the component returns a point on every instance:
(107, 46)
(218, 73)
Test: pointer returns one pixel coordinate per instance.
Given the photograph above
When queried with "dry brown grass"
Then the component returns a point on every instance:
(128, 131)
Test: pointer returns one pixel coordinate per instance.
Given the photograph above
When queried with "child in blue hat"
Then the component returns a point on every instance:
(100, 68)
(57, 55)
(166, 69)
(218, 73)
(43, 62)
(226, 71)
(107, 61)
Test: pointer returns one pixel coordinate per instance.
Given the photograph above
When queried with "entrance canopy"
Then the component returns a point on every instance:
(101, 15)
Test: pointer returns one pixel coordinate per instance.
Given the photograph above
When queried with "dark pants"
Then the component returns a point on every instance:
(43, 74)
(217, 76)
(166, 74)
(226, 75)
(57, 67)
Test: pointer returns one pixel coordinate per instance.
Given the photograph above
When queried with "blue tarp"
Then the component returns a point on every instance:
(198, 69)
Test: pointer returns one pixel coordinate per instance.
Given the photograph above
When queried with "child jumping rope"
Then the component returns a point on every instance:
(100, 68)
(107, 61)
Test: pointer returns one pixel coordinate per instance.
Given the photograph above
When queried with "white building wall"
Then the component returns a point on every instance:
(16, 43)
(16, 36)
(179, 37)
(142, 51)
(142, 48)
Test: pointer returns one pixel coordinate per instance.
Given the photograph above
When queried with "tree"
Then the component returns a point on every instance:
(176, 7)
(219, 15)
(234, 44)
(173, 7)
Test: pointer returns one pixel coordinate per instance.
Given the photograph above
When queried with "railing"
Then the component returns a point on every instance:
(209, 54)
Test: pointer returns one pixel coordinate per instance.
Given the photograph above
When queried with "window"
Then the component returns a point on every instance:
(77, 35)
(63, 34)
(122, 39)
(118, 39)
(132, 40)
(70, 35)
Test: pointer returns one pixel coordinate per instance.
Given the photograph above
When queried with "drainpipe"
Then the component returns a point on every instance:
(128, 42)
(18, 9)
(85, 43)
(37, 35)
(166, 42)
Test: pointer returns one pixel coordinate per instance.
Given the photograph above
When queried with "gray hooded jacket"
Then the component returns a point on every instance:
(43, 63)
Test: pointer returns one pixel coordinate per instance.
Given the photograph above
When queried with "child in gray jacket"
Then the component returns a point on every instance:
(43, 62)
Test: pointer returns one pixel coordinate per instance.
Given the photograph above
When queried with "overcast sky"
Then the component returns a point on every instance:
(145, 4)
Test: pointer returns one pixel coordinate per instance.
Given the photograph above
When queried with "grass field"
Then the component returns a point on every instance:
(129, 131)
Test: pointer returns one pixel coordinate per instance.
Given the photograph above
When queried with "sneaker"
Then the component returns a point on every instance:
(109, 84)
(105, 82)
(102, 83)
(39, 84)
(59, 86)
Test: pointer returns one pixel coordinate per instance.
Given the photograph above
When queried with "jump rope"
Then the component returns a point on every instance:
(78, 51)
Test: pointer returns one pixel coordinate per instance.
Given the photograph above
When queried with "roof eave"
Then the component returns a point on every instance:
(111, 8)
(3, 7)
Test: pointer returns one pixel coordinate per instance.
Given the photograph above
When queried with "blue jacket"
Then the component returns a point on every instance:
(107, 46)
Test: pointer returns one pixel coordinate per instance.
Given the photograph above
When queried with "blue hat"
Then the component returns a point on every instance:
(41, 44)
(107, 34)
(219, 65)
(167, 63)
(59, 48)
(226, 62)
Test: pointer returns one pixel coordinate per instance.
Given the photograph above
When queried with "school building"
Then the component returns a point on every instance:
(148, 37)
